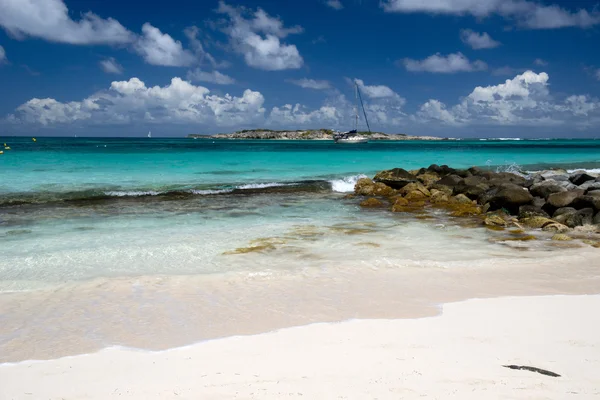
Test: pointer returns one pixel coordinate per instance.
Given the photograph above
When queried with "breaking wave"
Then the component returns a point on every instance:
(346, 184)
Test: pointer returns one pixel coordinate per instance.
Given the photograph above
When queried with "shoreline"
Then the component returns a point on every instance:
(460, 352)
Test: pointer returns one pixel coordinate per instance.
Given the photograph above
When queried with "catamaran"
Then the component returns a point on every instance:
(353, 136)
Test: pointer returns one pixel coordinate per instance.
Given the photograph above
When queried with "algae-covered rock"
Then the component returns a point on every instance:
(428, 178)
(563, 199)
(415, 187)
(562, 237)
(464, 209)
(364, 187)
(581, 217)
(495, 220)
(535, 222)
(400, 204)
(531, 210)
(461, 199)
(555, 227)
(439, 197)
(372, 202)
(380, 189)
(415, 195)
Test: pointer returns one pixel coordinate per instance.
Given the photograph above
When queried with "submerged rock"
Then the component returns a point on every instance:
(415, 187)
(536, 222)
(562, 237)
(438, 197)
(556, 227)
(531, 210)
(372, 202)
(495, 220)
(579, 218)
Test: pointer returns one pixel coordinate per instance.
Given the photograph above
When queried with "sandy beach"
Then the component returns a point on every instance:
(458, 354)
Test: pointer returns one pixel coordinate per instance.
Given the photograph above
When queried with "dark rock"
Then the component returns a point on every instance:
(590, 185)
(596, 219)
(594, 193)
(472, 187)
(475, 170)
(434, 168)
(512, 178)
(463, 173)
(449, 180)
(546, 188)
(580, 218)
(372, 202)
(586, 202)
(446, 170)
(539, 202)
(395, 178)
(531, 210)
(581, 178)
(510, 198)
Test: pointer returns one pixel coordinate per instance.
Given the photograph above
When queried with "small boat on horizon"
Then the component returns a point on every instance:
(352, 136)
(150, 134)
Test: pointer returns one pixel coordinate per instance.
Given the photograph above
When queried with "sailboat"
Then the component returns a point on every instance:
(149, 134)
(353, 136)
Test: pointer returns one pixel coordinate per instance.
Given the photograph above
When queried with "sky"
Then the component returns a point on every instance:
(459, 68)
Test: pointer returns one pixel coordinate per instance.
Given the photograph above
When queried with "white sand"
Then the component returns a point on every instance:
(458, 355)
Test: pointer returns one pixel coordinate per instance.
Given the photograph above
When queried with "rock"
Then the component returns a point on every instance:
(380, 189)
(557, 178)
(395, 178)
(561, 199)
(472, 187)
(590, 185)
(532, 210)
(586, 202)
(464, 209)
(399, 204)
(449, 180)
(372, 202)
(555, 227)
(581, 178)
(539, 202)
(428, 178)
(508, 177)
(567, 185)
(580, 218)
(546, 188)
(596, 219)
(536, 222)
(510, 198)
(442, 188)
(475, 170)
(463, 173)
(461, 199)
(439, 197)
(594, 193)
(364, 187)
(415, 195)
(563, 210)
(494, 220)
(415, 186)
(562, 237)
(553, 172)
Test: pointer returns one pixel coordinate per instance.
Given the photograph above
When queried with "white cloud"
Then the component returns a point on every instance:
(258, 39)
(159, 48)
(450, 64)
(598, 74)
(377, 91)
(297, 115)
(528, 14)
(2, 55)
(540, 62)
(50, 20)
(335, 4)
(524, 100)
(213, 77)
(311, 84)
(478, 41)
(130, 102)
(111, 66)
(201, 54)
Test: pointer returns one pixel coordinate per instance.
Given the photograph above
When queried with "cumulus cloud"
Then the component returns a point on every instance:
(523, 100)
(299, 115)
(50, 20)
(478, 41)
(450, 64)
(212, 77)
(527, 14)
(2, 55)
(159, 48)
(311, 84)
(111, 66)
(377, 91)
(598, 74)
(257, 37)
(130, 102)
(335, 4)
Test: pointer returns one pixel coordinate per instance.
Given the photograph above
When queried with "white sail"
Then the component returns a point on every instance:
(149, 134)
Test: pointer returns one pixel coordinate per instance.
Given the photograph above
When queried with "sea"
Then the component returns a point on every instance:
(155, 243)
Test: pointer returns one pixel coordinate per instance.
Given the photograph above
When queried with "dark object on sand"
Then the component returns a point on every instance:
(532, 369)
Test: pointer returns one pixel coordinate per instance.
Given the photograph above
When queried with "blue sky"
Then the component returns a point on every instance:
(461, 68)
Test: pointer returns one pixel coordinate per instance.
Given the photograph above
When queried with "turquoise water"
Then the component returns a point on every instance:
(74, 209)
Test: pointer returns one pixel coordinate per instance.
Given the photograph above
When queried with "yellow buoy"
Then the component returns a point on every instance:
(34, 139)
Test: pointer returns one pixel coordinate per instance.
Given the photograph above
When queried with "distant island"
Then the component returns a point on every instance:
(317, 134)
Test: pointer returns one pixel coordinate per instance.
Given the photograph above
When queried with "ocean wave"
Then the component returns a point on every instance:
(263, 185)
(346, 184)
(589, 171)
(131, 193)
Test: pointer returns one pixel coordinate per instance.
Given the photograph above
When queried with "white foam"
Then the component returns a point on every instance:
(131, 193)
(209, 191)
(589, 171)
(262, 185)
(345, 184)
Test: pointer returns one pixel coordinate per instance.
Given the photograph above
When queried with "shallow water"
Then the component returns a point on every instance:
(103, 240)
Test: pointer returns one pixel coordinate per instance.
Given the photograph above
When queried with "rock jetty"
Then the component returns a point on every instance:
(319, 134)
(554, 201)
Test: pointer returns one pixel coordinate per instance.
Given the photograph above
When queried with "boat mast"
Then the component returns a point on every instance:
(356, 105)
